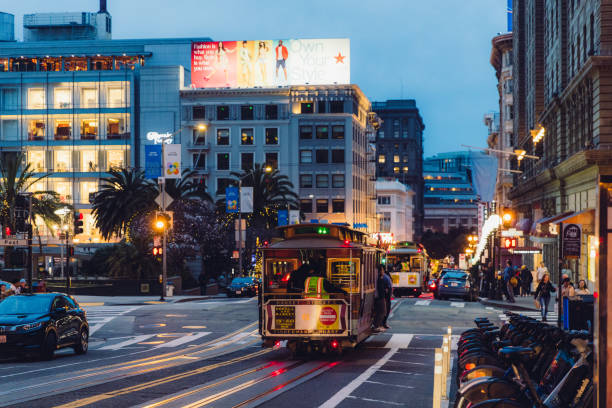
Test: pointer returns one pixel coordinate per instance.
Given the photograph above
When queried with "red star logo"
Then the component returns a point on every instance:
(340, 58)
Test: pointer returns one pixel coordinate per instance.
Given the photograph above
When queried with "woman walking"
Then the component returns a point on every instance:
(542, 293)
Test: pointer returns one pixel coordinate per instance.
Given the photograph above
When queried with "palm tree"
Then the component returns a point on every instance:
(187, 187)
(125, 194)
(15, 181)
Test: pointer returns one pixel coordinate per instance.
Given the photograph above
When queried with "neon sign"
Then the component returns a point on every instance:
(159, 138)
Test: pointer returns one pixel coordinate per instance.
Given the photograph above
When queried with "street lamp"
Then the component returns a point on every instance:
(62, 212)
(161, 225)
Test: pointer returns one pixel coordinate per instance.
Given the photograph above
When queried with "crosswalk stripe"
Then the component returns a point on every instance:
(422, 302)
(457, 304)
(183, 339)
(134, 340)
(399, 341)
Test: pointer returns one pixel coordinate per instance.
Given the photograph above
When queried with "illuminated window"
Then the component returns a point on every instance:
(405, 158)
(271, 136)
(115, 128)
(62, 160)
(338, 132)
(115, 98)
(396, 158)
(89, 129)
(88, 189)
(89, 98)
(36, 160)
(63, 129)
(116, 159)
(223, 137)
(89, 160)
(64, 190)
(272, 160)
(36, 98)
(62, 98)
(396, 169)
(36, 129)
(381, 158)
(405, 169)
(246, 136)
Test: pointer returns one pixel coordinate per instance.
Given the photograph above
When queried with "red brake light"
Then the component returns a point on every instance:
(286, 277)
(334, 344)
(346, 242)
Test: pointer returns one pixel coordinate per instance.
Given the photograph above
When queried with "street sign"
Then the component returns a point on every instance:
(13, 242)
(167, 200)
(571, 240)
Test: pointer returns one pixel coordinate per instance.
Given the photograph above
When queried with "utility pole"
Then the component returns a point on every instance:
(30, 232)
(162, 182)
(239, 227)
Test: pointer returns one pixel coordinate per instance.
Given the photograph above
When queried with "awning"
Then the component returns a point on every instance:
(584, 217)
(540, 227)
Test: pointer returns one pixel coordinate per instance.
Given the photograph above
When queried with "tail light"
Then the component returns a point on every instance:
(334, 344)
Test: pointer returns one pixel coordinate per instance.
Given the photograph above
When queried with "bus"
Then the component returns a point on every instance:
(342, 318)
(408, 265)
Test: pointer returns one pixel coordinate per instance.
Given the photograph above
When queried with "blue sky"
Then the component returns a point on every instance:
(434, 51)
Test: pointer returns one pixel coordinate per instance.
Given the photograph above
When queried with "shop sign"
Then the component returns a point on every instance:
(571, 240)
(159, 138)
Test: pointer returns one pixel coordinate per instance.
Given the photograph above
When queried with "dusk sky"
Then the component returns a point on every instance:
(434, 51)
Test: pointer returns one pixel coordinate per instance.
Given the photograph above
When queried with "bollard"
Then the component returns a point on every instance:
(449, 330)
(437, 388)
(448, 355)
(445, 353)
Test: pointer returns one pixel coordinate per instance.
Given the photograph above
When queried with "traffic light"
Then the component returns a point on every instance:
(509, 242)
(7, 231)
(163, 221)
(70, 251)
(78, 223)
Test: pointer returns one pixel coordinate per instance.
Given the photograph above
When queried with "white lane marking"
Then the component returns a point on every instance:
(183, 340)
(457, 304)
(454, 340)
(394, 307)
(422, 302)
(228, 302)
(399, 404)
(489, 308)
(389, 384)
(406, 362)
(129, 342)
(398, 341)
(99, 316)
(348, 389)
(235, 338)
(398, 372)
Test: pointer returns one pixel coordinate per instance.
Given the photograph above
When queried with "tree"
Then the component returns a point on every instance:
(187, 187)
(125, 194)
(15, 180)
(132, 260)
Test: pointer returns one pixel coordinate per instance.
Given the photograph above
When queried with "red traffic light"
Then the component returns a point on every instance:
(157, 251)
(7, 230)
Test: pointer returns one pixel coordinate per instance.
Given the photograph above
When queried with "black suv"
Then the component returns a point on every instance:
(42, 323)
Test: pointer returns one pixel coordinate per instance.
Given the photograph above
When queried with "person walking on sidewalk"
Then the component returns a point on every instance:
(526, 279)
(542, 294)
(508, 287)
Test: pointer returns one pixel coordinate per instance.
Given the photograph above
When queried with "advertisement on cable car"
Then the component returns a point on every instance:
(301, 316)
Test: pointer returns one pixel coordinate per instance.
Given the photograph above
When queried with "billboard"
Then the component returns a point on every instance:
(270, 63)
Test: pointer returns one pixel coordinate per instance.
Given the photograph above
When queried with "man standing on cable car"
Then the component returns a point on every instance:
(317, 287)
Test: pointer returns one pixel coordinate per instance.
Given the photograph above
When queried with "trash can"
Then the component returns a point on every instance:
(580, 311)
(169, 290)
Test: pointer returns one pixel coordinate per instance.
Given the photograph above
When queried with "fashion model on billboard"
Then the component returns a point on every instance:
(246, 66)
(281, 58)
(262, 54)
(222, 62)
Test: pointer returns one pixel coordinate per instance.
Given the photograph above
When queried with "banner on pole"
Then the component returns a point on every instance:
(283, 217)
(172, 161)
(294, 217)
(153, 161)
(246, 199)
(231, 199)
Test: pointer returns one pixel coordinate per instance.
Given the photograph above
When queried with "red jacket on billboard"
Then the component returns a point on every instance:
(284, 52)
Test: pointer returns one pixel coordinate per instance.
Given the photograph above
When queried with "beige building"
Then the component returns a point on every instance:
(395, 209)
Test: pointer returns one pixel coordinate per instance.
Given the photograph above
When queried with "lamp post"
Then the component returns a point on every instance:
(62, 212)
(161, 224)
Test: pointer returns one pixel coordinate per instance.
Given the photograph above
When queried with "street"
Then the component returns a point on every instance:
(208, 353)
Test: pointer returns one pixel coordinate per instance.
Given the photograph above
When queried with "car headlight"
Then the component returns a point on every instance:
(29, 327)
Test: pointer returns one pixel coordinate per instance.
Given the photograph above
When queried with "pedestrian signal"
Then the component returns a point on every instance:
(157, 251)
(509, 242)
(78, 223)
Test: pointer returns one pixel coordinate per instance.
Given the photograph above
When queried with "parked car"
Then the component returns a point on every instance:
(242, 287)
(457, 283)
(42, 323)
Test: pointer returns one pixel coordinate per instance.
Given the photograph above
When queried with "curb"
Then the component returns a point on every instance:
(506, 306)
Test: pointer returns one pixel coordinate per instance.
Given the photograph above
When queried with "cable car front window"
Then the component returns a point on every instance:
(344, 273)
(278, 272)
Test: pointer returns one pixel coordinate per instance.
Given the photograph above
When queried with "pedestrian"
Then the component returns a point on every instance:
(517, 287)
(380, 307)
(388, 295)
(509, 279)
(542, 270)
(582, 288)
(542, 294)
(567, 288)
(526, 279)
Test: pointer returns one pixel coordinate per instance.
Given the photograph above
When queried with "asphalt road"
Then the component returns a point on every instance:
(208, 353)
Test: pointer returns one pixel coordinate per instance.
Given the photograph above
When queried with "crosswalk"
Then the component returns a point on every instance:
(552, 316)
(98, 316)
(151, 340)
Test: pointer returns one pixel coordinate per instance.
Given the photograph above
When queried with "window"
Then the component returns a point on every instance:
(272, 160)
(36, 129)
(338, 132)
(198, 161)
(89, 98)
(271, 136)
(306, 206)
(306, 107)
(36, 160)
(385, 222)
(322, 205)
(338, 180)
(306, 181)
(116, 159)
(405, 158)
(63, 129)
(223, 162)
(305, 156)
(396, 129)
(336, 106)
(322, 181)
(9, 99)
(89, 160)
(115, 128)
(337, 156)
(199, 136)
(222, 184)
(396, 169)
(246, 161)
(115, 98)
(246, 136)
(89, 129)
(223, 112)
(338, 206)
(474, 221)
(223, 137)
(88, 188)
(61, 160)
(64, 190)
(463, 221)
(381, 158)
(396, 158)
(305, 132)
(381, 134)
(384, 200)
(271, 112)
(9, 129)
(322, 156)
(322, 132)
(247, 112)
(405, 169)
(198, 112)
(321, 107)
(36, 98)
(405, 133)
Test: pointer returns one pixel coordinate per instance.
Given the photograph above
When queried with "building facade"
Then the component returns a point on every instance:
(449, 198)
(399, 149)
(394, 209)
(319, 136)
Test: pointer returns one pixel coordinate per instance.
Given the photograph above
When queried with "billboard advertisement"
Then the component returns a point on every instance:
(270, 63)
(172, 161)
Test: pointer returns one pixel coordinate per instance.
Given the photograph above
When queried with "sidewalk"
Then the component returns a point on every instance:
(85, 300)
(525, 303)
